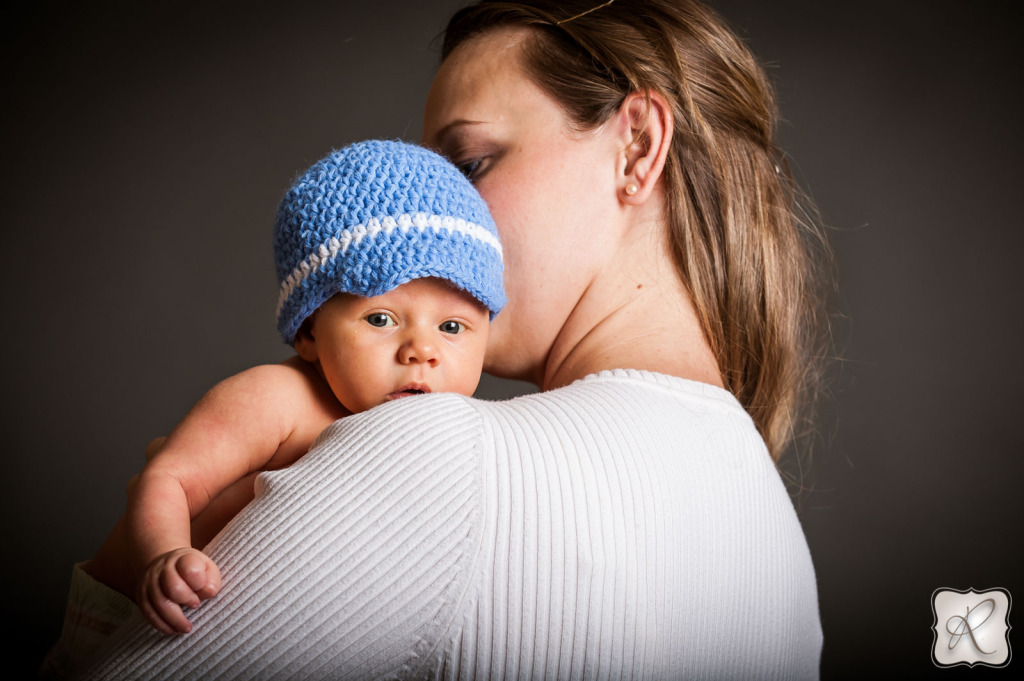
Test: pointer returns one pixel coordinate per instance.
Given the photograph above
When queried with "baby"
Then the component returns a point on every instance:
(390, 271)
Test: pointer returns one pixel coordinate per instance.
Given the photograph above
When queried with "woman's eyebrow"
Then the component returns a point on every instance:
(442, 135)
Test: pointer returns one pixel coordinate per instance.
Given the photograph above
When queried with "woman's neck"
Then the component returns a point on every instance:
(636, 314)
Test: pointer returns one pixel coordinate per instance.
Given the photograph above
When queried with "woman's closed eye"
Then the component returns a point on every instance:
(380, 320)
(470, 168)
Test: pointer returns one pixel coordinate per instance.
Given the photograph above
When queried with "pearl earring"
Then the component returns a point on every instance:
(631, 189)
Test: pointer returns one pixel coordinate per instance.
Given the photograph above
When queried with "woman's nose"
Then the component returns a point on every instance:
(417, 348)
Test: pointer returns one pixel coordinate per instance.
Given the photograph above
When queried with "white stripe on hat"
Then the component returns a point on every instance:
(339, 245)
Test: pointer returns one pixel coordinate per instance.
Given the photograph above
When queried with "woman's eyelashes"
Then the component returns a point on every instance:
(470, 168)
(476, 161)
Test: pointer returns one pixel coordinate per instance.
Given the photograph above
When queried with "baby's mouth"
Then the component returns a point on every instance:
(410, 390)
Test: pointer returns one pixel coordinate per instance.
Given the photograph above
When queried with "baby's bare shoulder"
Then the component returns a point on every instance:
(279, 384)
(298, 391)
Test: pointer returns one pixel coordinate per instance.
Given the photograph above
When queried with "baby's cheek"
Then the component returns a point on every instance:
(468, 381)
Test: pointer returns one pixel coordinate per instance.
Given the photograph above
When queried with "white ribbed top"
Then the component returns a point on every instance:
(628, 526)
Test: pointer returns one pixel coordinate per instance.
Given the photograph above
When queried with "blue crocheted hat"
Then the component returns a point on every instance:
(373, 216)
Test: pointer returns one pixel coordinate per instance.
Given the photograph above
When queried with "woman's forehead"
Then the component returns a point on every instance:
(478, 82)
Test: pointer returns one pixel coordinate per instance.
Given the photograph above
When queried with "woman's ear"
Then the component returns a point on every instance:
(305, 342)
(645, 126)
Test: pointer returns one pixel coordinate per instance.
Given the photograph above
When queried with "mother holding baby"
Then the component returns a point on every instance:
(628, 521)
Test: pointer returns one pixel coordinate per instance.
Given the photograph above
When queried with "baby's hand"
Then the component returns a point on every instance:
(182, 577)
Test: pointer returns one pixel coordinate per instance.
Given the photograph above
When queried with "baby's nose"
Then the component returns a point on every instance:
(418, 348)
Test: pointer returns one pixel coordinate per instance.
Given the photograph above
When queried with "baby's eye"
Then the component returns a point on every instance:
(379, 319)
(452, 327)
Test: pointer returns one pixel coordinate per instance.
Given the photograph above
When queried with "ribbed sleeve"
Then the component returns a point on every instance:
(628, 526)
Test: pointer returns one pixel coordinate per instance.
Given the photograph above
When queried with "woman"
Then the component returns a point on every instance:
(628, 521)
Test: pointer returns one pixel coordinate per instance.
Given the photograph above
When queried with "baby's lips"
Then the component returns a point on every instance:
(410, 390)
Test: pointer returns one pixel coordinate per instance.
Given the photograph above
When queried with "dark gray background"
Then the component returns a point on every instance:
(145, 147)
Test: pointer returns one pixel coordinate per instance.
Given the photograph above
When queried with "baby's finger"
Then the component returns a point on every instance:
(154, 618)
(200, 573)
(212, 587)
(150, 600)
(170, 612)
(176, 589)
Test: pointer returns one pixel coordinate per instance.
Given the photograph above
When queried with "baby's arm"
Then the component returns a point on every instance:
(261, 419)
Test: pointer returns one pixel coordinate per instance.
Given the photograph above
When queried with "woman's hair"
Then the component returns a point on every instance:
(756, 267)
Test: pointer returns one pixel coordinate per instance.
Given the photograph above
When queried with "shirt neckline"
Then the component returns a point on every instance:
(685, 385)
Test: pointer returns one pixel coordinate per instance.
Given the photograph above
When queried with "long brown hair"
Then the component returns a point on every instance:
(750, 259)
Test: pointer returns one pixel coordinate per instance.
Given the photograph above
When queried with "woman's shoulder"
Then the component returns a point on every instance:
(620, 398)
(632, 384)
(606, 389)
(658, 385)
(629, 410)
(416, 416)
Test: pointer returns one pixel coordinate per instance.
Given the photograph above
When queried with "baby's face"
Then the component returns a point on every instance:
(423, 336)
